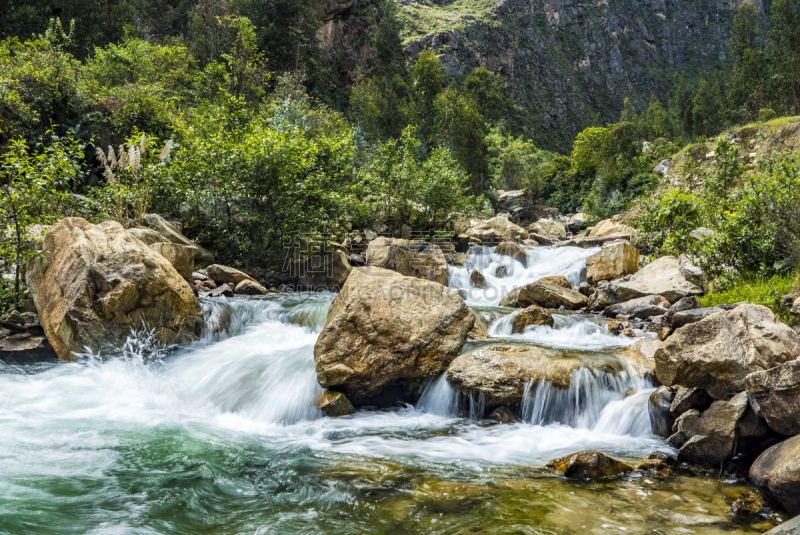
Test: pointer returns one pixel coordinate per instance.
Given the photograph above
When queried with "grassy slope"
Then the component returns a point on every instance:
(421, 19)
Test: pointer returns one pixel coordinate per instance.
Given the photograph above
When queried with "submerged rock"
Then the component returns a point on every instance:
(546, 295)
(775, 396)
(663, 277)
(334, 404)
(387, 334)
(501, 272)
(93, 284)
(533, 315)
(477, 280)
(776, 472)
(718, 352)
(656, 467)
(588, 465)
(502, 415)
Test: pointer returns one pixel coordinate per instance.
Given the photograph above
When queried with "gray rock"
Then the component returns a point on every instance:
(662, 167)
(775, 396)
(662, 277)
(679, 319)
(776, 472)
(648, 312)
(718, 352)
(700, 234)
(659, 410)
(682, 305)
(687, 399)
(790, 527)
(629, 307)
(585, 289)
(603, 297)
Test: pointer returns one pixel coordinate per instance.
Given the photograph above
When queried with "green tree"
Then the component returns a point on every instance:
(785, 44)
(460, 127)
(427, 83)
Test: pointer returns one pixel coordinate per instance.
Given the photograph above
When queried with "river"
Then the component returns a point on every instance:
(224, 437)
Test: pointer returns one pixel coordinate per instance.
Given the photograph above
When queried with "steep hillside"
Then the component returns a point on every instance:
(567, 60)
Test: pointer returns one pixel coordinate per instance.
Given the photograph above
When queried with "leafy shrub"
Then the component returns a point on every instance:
(766, 114)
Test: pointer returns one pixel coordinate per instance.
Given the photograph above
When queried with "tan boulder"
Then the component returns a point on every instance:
(335, 404)
(533, 315)
(387, 334)
(486, 236)
(226, 275)
(480, 331)
(147, 235)
(504, 226)
(544, 294)
(559, 280)
(549, 228)
(477, 280)
(499, 374)
(249, 287)
(514, 251)
(777, 473)
(93, 284)
(662, 277)
(718, 352)
(607, 227)
(180, 256)
(410, 258)
(612, 261)
(166, 229)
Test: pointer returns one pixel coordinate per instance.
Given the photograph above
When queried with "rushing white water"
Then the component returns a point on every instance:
(541, 262)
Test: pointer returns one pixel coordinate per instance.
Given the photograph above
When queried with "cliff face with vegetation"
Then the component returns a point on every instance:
(568, 60)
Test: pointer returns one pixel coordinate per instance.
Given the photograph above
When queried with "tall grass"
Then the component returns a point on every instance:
(766, 291)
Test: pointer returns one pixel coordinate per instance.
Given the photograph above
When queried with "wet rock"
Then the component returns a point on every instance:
(790, 527)
(776, 472)
(662, 277)
(718, 352)
(614, 260)
(477, 280)
(92, 284)
(655, 324)
(588, 465)
(775, 396)
(387, 334)
(226, 275)
(460, 259)
(533, 315)
(486, 236)
(180, 256)
(326, 269)
(514, 251)
(334, 404)
(687, 399)
(666, 458)
(223, 290)
(691, 272)
(645, 313)
(544, 294)
(451, 496)
(409, 258)
(664, 333)
(585, 289)
(661, 420)
(502, 415)
(28, 344)
(501, 272)
(656, 467)
(250, 287)
(541, 240)
(628, 308)
(682, 305)
(480, 331)
(499, 374)
(746, 503)
(560, 280)
(616, 327)
(630, 333)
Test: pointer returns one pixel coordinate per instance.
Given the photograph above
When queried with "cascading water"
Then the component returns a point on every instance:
(223, 437)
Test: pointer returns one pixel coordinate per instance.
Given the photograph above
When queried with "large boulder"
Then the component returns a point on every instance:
(93, 284)
(790, 527)
(546, 295)
(410, 258)
(147, 235)
(498, 375)
(484, 234)
(166, 229)
(662, 277)
(723, 430)
(775, 396)
(514, 251)
(503, 225)
(180, 256)
(614, 260)
(628, 308)
(325, 269)
(718, 352)
(550, 228)
(386, 334)
(249, 287)
(226, 275)
(777, 473)
(608, 227)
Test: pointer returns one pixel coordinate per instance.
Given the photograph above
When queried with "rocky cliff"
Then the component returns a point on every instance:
(565, 60)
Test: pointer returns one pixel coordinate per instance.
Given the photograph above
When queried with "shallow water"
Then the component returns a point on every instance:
(224, 437)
